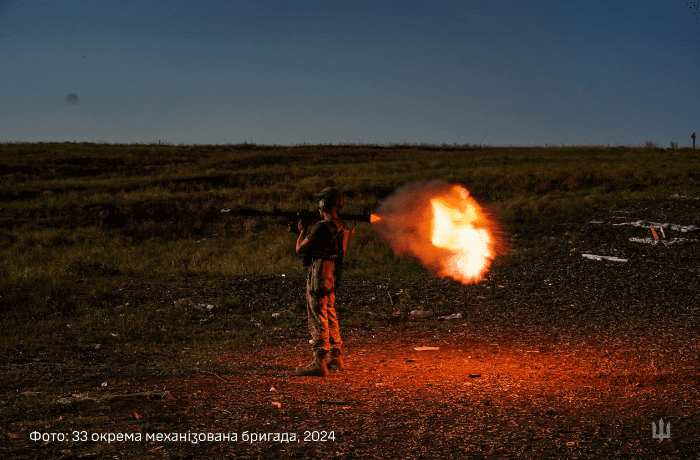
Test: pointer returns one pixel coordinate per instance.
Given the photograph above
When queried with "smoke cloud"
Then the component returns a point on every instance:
(405, 220)
(72, 99)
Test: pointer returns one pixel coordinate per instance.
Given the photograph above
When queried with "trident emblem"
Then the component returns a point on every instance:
(661, 434)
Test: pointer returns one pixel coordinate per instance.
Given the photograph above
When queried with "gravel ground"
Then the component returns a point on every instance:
(557, 356)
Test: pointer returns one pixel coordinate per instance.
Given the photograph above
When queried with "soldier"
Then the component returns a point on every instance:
(323, 248)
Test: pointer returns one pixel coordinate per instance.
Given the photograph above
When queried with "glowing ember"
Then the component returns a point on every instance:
(373, 218)
(440, 225)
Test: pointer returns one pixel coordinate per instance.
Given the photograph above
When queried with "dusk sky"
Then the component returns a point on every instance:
(512, 72)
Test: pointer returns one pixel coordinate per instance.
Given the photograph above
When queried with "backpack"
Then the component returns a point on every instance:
(340, 237)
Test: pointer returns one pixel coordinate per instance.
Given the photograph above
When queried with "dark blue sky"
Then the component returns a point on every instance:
(376, 71)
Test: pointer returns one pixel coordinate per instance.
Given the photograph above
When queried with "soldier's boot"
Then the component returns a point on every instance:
(335, 361)
(316, 368)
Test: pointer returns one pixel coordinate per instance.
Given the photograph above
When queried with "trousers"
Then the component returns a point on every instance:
(320, 306)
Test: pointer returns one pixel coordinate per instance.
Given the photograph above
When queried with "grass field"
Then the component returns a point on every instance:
(79, 220)
(112, 245)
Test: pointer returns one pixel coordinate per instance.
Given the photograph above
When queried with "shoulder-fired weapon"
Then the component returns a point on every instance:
(292, 216)
(306, 217)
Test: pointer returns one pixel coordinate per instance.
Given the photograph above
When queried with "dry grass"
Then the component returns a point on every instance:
(79, 220)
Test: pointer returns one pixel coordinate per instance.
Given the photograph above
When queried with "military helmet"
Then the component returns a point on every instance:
(330, 197)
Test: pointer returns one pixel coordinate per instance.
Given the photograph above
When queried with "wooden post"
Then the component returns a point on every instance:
(693, 136)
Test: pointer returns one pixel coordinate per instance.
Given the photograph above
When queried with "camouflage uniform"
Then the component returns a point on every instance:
(325, 254)
(324, 248)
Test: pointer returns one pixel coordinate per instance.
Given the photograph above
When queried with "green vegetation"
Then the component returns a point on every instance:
(85, 229)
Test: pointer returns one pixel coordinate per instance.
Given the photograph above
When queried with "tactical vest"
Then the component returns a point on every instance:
(319, 283)
(338, 247)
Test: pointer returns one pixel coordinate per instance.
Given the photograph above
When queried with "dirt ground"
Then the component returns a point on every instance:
(559, 356)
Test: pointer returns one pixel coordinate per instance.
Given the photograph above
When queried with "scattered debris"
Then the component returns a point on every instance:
(182, 303)
(104, 384)
(421, 314)
(674, 227)
(676, 195)
(277, 404)
(187, 303)
(610, 258)
(426, 348)
(452, 316)
(335, 403)
(664, 242)
(275, 315)
(653, 232)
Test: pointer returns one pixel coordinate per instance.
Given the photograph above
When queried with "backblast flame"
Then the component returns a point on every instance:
(442, 226)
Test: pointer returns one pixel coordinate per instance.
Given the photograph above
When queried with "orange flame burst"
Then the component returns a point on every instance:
(442, 226)
(459, 226)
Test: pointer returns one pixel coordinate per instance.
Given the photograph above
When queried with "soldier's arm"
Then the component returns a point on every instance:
(303, 244)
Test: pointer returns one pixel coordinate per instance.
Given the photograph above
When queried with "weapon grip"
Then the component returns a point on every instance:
(304, 217)
(296, 223)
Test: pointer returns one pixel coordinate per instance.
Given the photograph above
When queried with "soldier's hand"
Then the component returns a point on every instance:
(300, 226)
